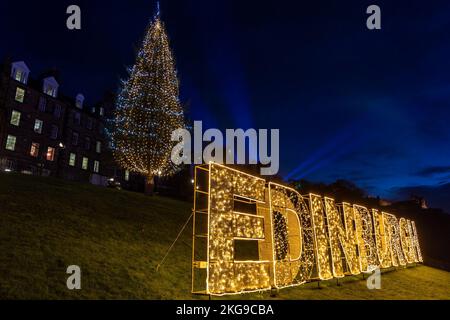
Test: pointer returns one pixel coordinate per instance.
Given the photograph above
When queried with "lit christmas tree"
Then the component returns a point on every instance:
(148, 110)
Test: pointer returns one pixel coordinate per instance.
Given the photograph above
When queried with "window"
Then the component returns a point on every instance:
(50, 87)
(79, 101)
(34, 150)
(96, 166)
(57, 111)
(11, 143)
(50, 154)
(76, 118)
(127, 175)
(19, 71)
(84, 164)
(20, 95)
(38, 124)
(54, 134)
(102, 111)
(9, 165)
(18, 75)
(75, 138)
(42, 104)
(50, 91)
(98, 147)
(89, 124)
(15, 118)
(87, 143)
(72, 159)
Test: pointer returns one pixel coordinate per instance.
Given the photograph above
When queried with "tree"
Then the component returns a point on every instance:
(148, 109)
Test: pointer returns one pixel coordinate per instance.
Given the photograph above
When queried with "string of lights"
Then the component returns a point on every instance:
(148, 108)
(299, 238)
(342, 238)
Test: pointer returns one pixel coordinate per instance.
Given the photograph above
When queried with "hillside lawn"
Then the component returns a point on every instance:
(119, 237)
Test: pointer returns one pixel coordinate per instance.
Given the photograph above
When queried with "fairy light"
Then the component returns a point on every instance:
(418, 253)
(225, 273)
(321, 235)
(365, 236)
(382, 239)
(299, 238)
(293, 236)
(393, 228)
(406, 240)
(342, 238)
(148, 109)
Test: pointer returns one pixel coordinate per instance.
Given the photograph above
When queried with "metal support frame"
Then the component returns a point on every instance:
(198, 264)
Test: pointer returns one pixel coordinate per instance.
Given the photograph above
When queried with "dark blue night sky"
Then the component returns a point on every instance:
(372, 107)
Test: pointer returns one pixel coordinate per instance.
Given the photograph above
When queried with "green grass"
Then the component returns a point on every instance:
(119, 237)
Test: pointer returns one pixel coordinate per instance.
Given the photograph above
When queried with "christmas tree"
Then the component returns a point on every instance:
(148, 109)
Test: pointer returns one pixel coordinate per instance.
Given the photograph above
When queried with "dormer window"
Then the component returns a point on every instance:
(79, 101)
(20, 71)
(50, 87)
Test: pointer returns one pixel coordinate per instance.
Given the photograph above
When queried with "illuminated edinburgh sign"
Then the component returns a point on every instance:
(253, 235)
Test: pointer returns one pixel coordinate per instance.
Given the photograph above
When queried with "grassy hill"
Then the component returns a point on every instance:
(118, 238)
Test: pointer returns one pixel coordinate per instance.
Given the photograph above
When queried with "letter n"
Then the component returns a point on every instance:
(342, 238)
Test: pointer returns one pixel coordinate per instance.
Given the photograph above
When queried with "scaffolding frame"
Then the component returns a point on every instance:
(199, 264)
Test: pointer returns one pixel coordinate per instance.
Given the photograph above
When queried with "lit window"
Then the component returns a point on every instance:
(20, 94)
(50, 91)
(75, 138)
(127, 175)
(34, 151)
(19, 71)
(18, 75)
(102, 111)
(50, 86)
(54, 134)
(96, 166)
(11, 143)
(84, 164)
(57, 111)
(98, 147)
(38, 124)
(72, 159)
(50, 154)
(42, 104)
(15, 118)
